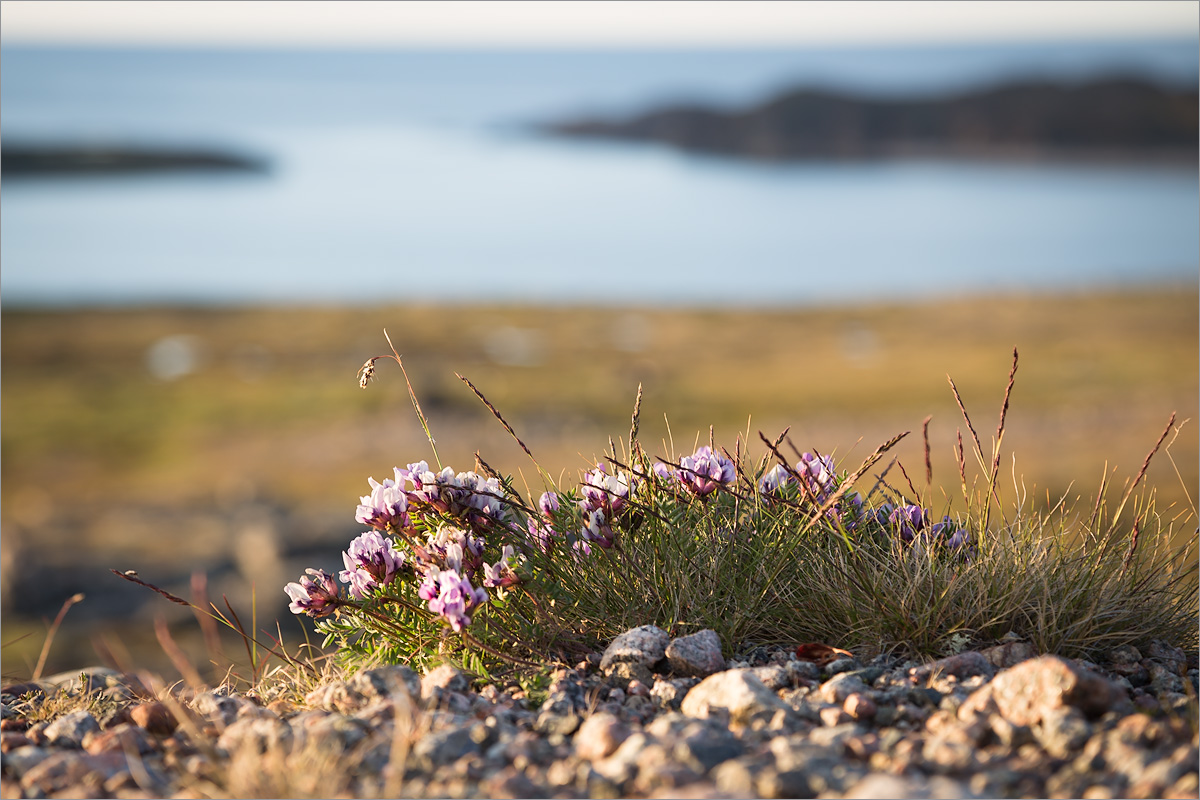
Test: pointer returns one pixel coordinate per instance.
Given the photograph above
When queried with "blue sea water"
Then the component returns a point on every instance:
(415, 176)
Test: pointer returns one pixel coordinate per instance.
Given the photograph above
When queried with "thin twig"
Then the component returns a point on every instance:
(62, 612)
(412, 395)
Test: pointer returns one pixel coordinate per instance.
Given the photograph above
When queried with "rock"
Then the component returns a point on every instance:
(127, 738)
(962, 665)
(1009, 654)
(621, 766)
(154, 717)
(561, 724)
(69, 768)
(624, 672)
(839, 687)
(644, 645)
(705, 747)
(669, 694)
(802, 671)
(773, 676)
(445, 678)
(739, 692)
(256, 734)
(697, 655)
(879, 786)
(70, 728)
(599, 736)
(24, 758)
(860, 706)
(218, 709)
(445, 747)
(841, 665)
(1062, 731)
(1026, 693)
(1164, 678)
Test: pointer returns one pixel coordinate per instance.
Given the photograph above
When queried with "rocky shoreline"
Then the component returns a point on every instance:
(648, 717)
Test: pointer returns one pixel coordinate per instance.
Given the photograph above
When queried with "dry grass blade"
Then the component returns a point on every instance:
(412, 395)
(852, 478)
(176, 654)
(1141, 473)
(62, 612)
(131, 575)
(496, 413)
(928, 460)
(634, 447)
(1012, 374)
(970, 426)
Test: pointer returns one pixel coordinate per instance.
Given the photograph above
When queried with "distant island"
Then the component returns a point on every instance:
(1118, 118)
(23, 160)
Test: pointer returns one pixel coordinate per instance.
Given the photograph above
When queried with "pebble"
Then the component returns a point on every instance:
(999, 721)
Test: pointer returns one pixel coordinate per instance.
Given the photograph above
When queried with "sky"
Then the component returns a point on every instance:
(634, 23)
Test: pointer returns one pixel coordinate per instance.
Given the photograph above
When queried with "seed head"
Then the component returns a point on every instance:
(366, 373)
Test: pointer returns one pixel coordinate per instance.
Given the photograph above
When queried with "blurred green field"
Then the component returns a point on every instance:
(271, 410)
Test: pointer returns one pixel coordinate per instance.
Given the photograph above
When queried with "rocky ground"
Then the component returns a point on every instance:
(649, 717)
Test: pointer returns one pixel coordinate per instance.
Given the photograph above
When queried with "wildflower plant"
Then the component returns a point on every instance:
(459, 566)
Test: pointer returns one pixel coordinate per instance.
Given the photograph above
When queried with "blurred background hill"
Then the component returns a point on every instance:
(228, 211)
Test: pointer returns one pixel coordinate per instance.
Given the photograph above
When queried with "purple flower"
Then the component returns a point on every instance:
(908, 521)
(664, 471)
(371, 561)
(818, 475)
(953, 537)
(385, 505)
(541, 535)
(604, 491)
(596, 528)
(501, 573)
(316, 594)
(464, 495)
(455, 549)
(704, 470)
(548, 504)
(452, 596)
(774, 481)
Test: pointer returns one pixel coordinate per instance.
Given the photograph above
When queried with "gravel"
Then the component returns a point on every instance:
(650, 717)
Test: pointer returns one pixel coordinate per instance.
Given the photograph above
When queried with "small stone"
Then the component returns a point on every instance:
(706, 748)
(22, 759)
(739, 692)
(256, 734)
(860, 706)
(832, 716)
(1024, 694)
(962, 665)
(599, 736)
(644, 645)
(126, 738)
(154, 717)
(773, 676)
(1062, 731)
(446, 678)
(697, 655)
(670, 694)
(1009, 654)
(802, 671)
(841, 665)
(72, 727)
(445, 747)
(622, 672)
(839, 687)
(562, 724)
